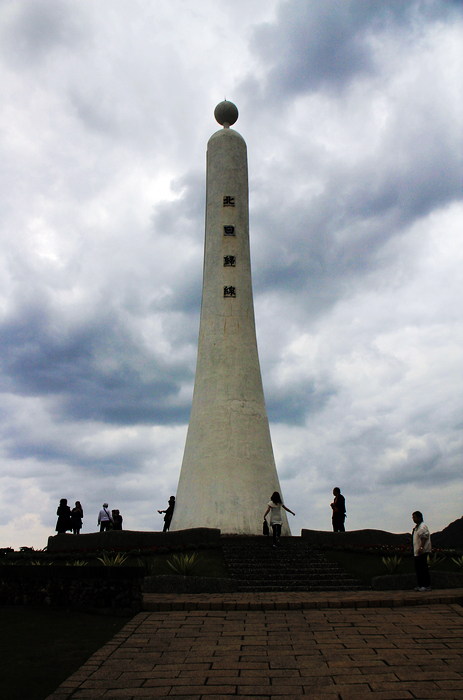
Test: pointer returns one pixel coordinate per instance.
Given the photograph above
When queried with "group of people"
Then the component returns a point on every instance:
(421, 537)
(109, 520)
(71, 520)
(275, 505)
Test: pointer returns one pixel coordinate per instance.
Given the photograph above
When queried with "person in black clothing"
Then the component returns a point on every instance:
(77, 513)
(339, 511)
(63, 524)
(117, 520)
(168, 513)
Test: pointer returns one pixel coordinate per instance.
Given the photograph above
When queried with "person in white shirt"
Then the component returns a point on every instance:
(421, 548)
(104, 518)
(274, 506)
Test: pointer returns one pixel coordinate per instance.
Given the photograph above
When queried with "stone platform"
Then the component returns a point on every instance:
(331, 646)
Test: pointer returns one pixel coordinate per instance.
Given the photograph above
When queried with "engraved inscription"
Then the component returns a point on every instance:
(228, 230)
(229, 292)
(228, 201)
(229, 261)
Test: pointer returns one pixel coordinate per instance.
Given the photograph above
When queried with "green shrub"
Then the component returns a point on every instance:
(459, 562)
(117, 560)
(151, 567)
(392, 563)
(40, 562)
(434, 560)
(184, 564)
(77, 562)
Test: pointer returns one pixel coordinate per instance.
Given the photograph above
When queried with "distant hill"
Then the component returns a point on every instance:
(451, 536)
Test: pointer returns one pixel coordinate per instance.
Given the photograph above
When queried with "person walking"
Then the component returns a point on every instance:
(421, 548)
(274, 507)
(339, 510)
(104, 518)
(168, 513)
(77, 513)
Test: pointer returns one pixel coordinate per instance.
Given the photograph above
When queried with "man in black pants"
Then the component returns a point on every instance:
(168, 513)
(339, 511)
(421, 549)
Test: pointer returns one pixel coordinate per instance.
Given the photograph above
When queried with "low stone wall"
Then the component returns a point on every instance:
(407, 582)
(356, 537)
(188, 584)
(105, 589)
(133, 539)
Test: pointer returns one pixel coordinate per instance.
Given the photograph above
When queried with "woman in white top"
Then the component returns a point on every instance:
(274, 507)
(421, 548)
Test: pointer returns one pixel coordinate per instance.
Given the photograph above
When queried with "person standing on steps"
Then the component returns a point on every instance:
(421, 548)
(274, 507)
(339, 510)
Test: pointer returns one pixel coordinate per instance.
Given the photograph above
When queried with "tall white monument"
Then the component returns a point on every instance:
(228, 471)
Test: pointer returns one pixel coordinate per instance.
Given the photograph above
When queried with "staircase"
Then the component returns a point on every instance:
(292, 565)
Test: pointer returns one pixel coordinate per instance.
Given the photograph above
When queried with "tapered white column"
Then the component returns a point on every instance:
(228, 472)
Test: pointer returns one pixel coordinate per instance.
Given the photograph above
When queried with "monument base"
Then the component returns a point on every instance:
(356, 537)
(133, 539)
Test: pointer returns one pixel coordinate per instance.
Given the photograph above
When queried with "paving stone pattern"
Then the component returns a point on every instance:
(339, 653)
(292, 565)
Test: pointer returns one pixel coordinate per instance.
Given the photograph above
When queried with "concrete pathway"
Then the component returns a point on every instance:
(383, 646)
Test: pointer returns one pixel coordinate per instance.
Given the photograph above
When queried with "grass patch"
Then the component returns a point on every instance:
(40, 648)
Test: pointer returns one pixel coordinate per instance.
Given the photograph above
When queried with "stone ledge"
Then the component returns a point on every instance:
(299, 601)
(406, 582)
(356, 537)
(187, 584)
(135, 539)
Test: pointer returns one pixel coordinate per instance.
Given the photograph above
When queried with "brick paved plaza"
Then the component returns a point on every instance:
(365, 645)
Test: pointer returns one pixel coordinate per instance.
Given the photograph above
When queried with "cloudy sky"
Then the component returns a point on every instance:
(352, 113)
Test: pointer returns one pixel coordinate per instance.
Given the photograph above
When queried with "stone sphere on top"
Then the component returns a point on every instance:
(226, 113)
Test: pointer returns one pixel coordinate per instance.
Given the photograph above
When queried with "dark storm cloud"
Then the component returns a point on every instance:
(317, 45)
(185, 215)
(429, 464)
(293, 404)
(36, 27)
(183, 219)
(21, 445)
(98, 370)
(319, 243)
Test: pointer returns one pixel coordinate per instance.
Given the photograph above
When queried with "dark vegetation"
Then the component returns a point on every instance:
(40, 648)
(367, 563)
(208, 561)
(451, 537)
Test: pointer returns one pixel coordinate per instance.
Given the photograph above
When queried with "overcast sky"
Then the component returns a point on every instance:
(352, 114)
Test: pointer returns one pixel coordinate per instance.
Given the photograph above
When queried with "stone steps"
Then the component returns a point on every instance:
(293, 565)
